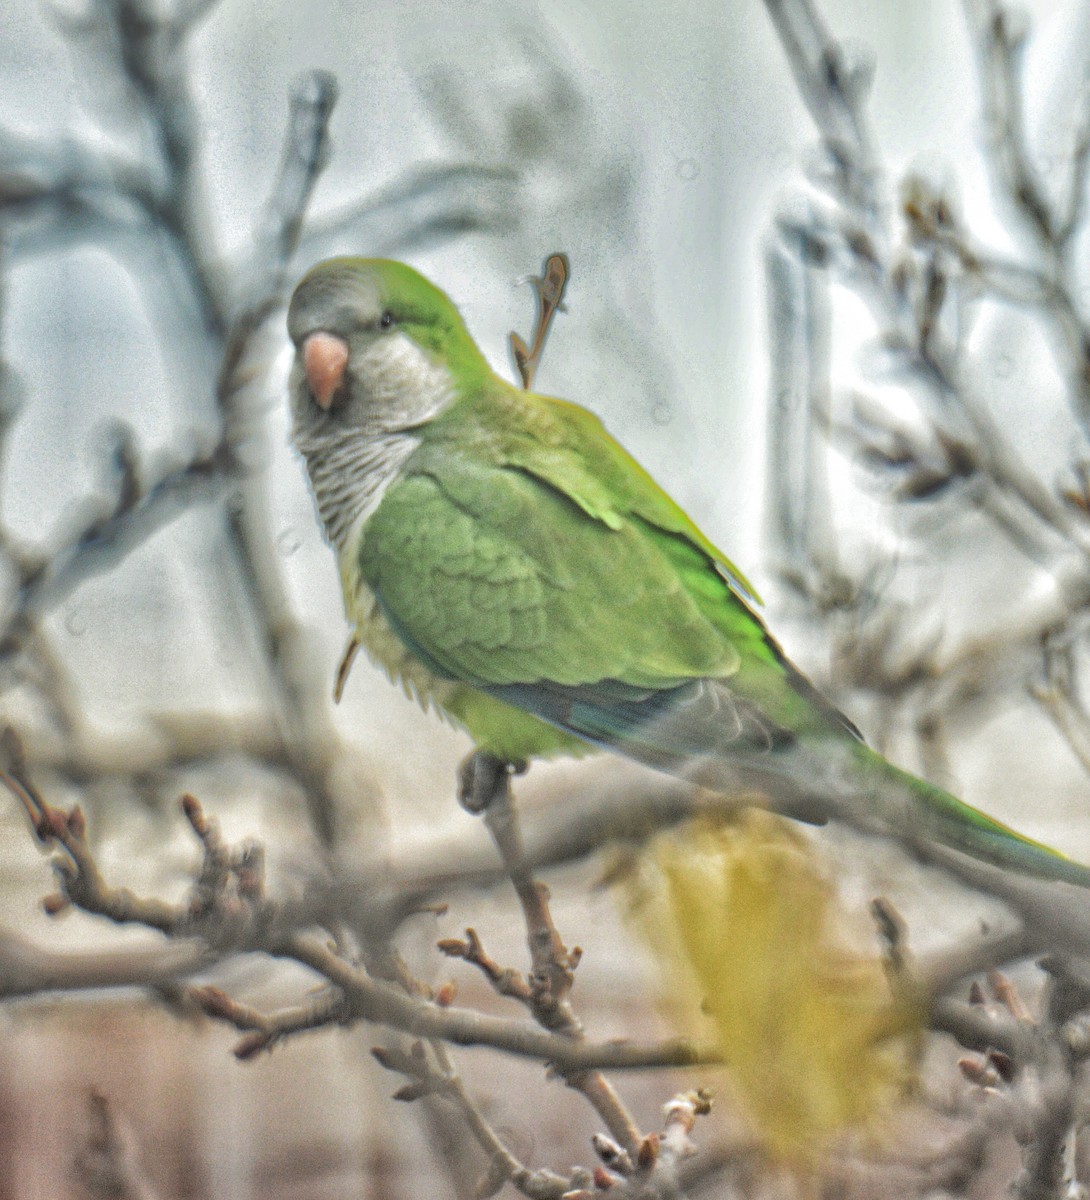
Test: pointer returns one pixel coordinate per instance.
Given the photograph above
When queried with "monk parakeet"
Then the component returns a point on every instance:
(508, 562)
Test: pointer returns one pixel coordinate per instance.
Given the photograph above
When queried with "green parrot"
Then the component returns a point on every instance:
(507, 561)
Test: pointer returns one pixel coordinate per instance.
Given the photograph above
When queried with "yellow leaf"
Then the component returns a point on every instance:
(751, 938)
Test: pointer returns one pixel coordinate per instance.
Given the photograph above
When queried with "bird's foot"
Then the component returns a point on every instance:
(483, 779)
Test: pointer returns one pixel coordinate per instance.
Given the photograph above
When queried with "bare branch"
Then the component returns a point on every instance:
(549, 290)
(108, 1164)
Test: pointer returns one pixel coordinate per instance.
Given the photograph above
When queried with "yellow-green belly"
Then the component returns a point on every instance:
(499, 728)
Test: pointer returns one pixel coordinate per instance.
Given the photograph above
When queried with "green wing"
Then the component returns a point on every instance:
(568, 447)
(583, 596)
(496, 578)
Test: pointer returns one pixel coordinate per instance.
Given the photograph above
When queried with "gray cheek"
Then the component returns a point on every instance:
(402, 387)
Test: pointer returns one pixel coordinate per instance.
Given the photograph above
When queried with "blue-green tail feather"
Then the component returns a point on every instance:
(950, 821)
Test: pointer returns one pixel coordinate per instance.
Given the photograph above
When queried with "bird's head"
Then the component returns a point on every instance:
(379, 349)
(379, 352)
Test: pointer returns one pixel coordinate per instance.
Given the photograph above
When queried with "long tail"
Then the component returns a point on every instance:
(941, 817)
(706, 732)
(835, 777)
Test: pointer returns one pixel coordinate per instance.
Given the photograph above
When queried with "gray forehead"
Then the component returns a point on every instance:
(335, 301)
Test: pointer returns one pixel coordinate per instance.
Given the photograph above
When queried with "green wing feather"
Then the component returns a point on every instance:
(568, 448)
(545, 559)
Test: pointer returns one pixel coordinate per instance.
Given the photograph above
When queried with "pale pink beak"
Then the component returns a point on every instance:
(325, 357)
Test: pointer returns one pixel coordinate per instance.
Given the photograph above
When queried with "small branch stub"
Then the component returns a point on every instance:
(549, 288)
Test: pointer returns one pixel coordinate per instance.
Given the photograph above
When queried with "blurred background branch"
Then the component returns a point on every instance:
(953, 474)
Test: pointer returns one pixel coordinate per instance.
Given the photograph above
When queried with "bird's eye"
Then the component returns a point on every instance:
(386, 320)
